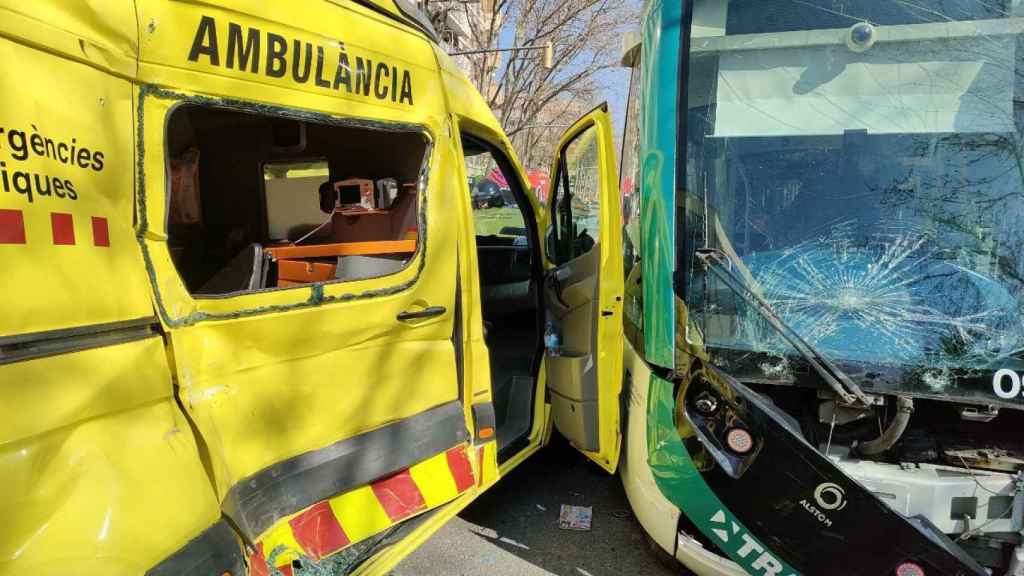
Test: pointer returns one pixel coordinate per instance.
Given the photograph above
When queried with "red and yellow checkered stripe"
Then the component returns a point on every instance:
(62, 228)
(331, 525)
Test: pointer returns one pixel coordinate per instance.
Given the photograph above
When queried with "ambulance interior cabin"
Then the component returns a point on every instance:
(260, 201)
(510, 276)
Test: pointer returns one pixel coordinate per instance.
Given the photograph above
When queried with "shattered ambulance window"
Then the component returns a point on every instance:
(860, 165)
(263, 202)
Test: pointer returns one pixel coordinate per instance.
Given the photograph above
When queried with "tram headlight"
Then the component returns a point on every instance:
(909, 569)
(739, 441)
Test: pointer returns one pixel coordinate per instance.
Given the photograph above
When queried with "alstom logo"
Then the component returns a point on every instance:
(750, 553)
(830, 496)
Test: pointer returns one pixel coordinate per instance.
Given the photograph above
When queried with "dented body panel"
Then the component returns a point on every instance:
(93, 463)
(96, 451)
(235, 423)
(64, 174)
(845, 313)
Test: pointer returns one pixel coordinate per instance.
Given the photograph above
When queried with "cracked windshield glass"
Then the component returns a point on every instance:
(859, 165)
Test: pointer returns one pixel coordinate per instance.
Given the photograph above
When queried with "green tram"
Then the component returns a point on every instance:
(822, 207)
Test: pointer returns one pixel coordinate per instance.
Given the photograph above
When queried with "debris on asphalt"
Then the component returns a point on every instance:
(512, 542)
(575, 517)
(541, 508)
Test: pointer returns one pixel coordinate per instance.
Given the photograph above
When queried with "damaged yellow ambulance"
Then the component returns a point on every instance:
(254, 319)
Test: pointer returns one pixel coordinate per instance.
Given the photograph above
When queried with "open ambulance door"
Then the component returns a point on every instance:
(583, 289)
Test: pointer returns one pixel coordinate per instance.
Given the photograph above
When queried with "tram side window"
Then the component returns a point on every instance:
(630, 189)
(629, 185)
(262, 202)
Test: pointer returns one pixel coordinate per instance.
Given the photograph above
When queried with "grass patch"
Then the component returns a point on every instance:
(490, 221)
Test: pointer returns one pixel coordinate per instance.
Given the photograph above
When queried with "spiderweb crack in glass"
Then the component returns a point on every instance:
(894, 290)
(873, 198)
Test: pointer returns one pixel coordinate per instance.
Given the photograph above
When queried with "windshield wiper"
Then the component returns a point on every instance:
(718, 262)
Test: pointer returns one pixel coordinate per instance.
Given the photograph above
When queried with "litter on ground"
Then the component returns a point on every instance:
(575, 517)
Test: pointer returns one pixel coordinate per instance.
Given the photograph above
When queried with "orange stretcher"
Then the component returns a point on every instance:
(292, 269)
(343, 249)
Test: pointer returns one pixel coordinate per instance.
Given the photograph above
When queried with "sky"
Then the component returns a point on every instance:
(616, 92)
(615, 82)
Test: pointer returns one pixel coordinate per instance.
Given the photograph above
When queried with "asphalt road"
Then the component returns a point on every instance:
(513, 528)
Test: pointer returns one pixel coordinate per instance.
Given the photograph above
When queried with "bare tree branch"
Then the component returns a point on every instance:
(531, 102)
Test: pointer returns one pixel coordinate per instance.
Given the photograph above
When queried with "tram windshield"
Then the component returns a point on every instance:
(860, 165)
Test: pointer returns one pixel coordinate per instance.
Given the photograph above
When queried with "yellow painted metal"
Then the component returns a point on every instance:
(293, 384)
(476, 358)
(383, 562)
(434, 480)
(471, 115)
(101, 474)
(39, 124)
(360, 514)
(272, 375)
(102, 469)
(367, 515)
(609, 351)
(100, 33)
(474, 116)
(488, 475)
(269, 386)
(281, 542)
(168, 30)
(387, 559)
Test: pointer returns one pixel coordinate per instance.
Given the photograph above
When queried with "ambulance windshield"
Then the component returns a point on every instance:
(861, 165)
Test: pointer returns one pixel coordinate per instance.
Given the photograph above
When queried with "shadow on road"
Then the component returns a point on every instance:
(513, 528)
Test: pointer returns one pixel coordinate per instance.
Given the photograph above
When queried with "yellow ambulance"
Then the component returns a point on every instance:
(257, 316)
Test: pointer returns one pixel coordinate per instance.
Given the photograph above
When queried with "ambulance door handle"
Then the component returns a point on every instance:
(428, 312)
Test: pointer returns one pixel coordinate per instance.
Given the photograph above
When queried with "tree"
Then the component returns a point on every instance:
(534, 103)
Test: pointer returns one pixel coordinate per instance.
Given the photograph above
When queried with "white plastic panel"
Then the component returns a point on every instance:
(918, 87)
(929, 490)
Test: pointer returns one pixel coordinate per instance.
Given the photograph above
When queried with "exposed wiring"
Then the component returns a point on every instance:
(973, 477)
(1009, 509)
(828, 445)
(980, 528)
(315, 230)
